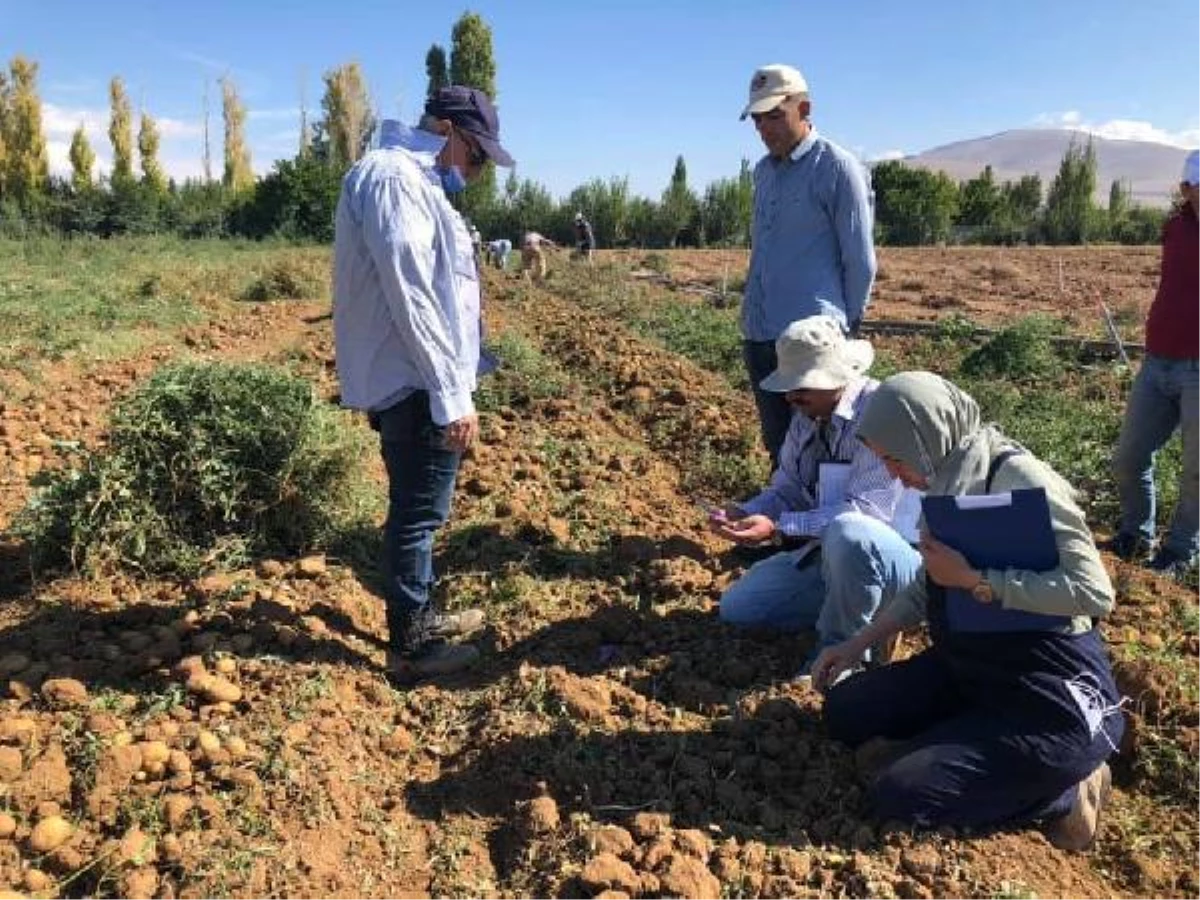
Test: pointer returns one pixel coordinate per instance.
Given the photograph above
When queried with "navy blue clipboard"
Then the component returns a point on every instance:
(995, 531)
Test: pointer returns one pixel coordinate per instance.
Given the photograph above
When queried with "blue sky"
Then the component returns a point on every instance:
(620, 88)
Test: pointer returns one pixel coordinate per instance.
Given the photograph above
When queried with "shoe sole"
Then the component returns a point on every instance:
(1101, 802)
(407, 677)
(458, 631)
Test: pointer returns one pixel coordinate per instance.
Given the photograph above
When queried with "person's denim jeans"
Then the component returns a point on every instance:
(421, 473)
(861, 566)
(774, 413)
(1163, 398)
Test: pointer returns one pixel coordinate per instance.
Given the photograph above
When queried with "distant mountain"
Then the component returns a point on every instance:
(1151, 170)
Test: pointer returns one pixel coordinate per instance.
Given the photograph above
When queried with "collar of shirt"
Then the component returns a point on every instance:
(805, 145)
(423, 145)
(845, 408)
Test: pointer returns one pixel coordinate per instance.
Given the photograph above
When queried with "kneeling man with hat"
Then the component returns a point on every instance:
(829, 494)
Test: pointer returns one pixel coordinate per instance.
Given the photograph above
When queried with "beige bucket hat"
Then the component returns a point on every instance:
(813, 353)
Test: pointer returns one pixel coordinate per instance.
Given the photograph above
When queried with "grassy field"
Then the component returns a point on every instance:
(102, 300)
(616, 737)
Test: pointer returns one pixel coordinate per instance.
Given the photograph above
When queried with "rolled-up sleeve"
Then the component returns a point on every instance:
(402, 250)
(1079, 585)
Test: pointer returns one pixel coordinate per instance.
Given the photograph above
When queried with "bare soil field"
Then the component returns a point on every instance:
(989, 285)
(616, 739)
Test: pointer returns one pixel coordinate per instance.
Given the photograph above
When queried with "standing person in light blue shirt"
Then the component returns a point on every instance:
(812, 250)
(407, 333)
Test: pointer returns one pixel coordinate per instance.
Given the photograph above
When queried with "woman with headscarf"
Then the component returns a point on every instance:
(983, 728)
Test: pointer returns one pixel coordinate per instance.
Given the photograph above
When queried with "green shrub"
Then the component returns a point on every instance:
(289, 278)
(725, 474)
(657, 262)
(524, 375)
(1021, 351)
(207, 465)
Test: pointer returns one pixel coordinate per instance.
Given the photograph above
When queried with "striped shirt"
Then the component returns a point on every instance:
(791, 499)
(406, 286)
(813, 251)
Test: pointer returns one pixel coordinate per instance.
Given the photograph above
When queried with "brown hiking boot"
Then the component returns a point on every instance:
(433, 660)
(1077, 829)
(457, 624)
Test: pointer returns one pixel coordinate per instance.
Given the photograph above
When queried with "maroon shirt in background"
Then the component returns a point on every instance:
(1173, 325)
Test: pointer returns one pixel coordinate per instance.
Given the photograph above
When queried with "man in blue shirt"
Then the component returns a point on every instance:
(406, 327)
(812, 249)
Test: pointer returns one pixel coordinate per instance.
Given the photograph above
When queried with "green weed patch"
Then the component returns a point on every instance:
(207, 466)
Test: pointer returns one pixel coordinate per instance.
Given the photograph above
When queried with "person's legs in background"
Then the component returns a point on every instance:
(1182, 383)
(1150, 418)
(774, 413)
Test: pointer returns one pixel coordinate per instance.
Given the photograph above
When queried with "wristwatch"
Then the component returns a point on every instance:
(982, 591)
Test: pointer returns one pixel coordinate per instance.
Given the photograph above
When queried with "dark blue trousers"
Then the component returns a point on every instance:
(774, 413)
(1012, 756)
(421, 474)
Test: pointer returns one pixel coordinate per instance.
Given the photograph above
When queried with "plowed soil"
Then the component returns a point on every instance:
(615, 741)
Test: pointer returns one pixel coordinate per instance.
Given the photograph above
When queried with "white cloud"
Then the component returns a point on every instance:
(179, 128)
(888, 154)
(63, 120)
(181, 149)
(59, 153)
(1120, 129)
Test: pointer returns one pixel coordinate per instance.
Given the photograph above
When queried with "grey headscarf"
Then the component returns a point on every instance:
(934, 427)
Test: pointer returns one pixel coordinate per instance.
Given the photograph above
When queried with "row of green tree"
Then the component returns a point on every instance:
(916, 206)
(297, 198)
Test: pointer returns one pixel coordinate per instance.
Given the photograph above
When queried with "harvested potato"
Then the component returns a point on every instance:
(51, 832)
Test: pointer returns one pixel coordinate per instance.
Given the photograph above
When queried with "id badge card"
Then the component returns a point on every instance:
(833, 479)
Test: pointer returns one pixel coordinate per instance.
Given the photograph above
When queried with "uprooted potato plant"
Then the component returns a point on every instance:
(206, 466)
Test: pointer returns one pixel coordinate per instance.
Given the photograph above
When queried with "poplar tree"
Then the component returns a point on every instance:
(1070, 213)
(473, 64)
(678, 204)
(238, 174)
(82, 160)
(3, 131)
(435, 68)
(26, 166)
(120, 135)
(347, 114)
(152, 173)
(206, 161)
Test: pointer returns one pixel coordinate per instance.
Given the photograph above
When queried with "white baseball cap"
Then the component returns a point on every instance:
(771, 85)
(1191, 169)
(813, 353)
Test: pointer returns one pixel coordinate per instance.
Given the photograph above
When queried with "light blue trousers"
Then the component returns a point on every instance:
(862, 565)
(1163, 398)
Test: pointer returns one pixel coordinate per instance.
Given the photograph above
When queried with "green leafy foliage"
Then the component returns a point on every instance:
(291, 277)
(525, 375)
(206, 466)
(1021, 351)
